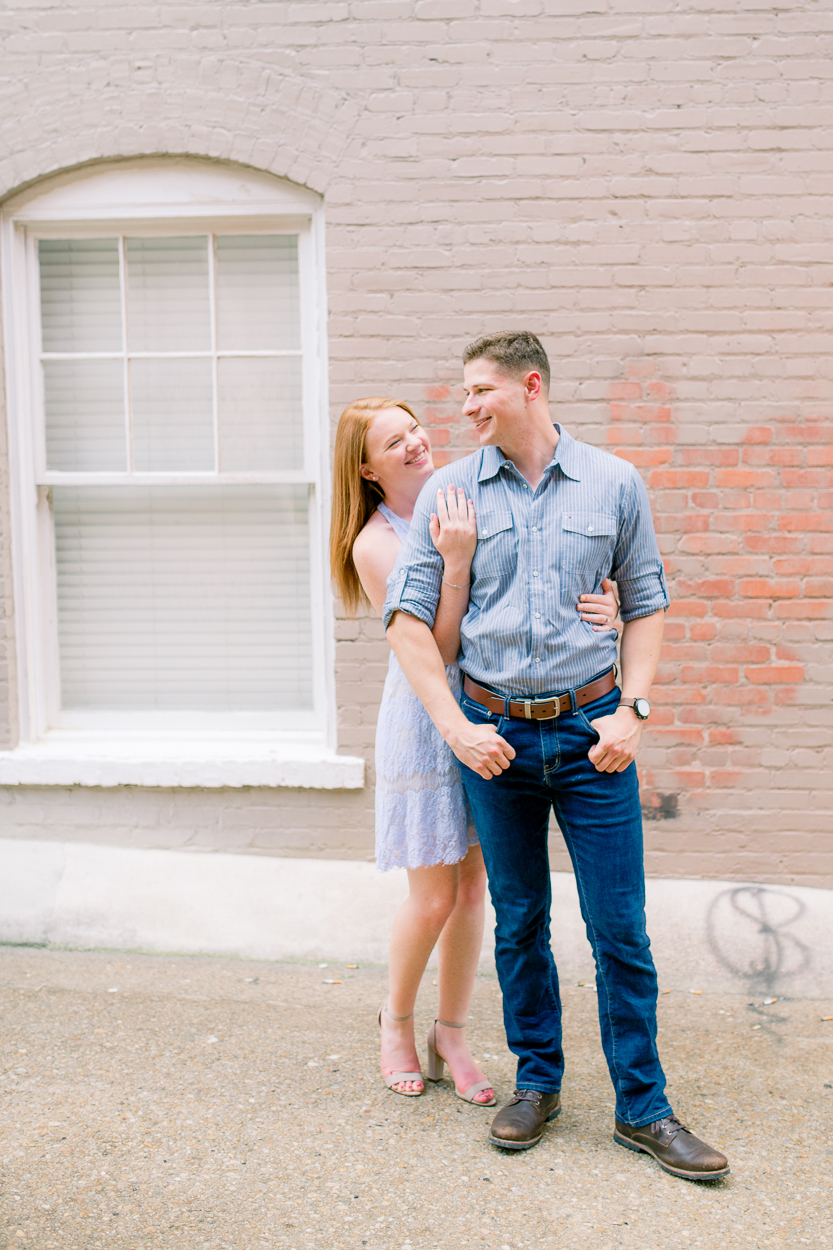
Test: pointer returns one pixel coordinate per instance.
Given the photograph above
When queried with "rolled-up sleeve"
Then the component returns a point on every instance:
(416, 580)
(637, 564)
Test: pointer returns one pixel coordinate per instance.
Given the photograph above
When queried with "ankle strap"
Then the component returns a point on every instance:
(399, 1019)
(449, 1025)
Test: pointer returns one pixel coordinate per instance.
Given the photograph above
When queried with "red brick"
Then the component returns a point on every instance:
(745, 477)
(813, 479)
(735, 566)
(687, 607)
(641, 368)
(820, 543)
(706, 499)
(701, 631)
(745, 653)
(802, 566)
(708, 587)
(652, 412)
(768, 500)
(678, 478)
(439, 438)
(785, 653)
(772, 674)
(772, 543)
(645, 457)
(674, 631)
(662, 390)
(800, 501)
(818, 587)
(662, 433)
(679, 652)
(791, 456)
(808, 433)
(770, 588)
(434, 394)
(819, 456)
(708, 544)
(721, 736)
(744, 521)
(626, 434)
(432, 415)
(725, 456)
(706, 674)
(725, 777)
(740, 696)
(758, 434)
(675, 735)
(751, 610)
(786, 694)
(620, 412)
(676, 694)
(624, 390)
(815, 610)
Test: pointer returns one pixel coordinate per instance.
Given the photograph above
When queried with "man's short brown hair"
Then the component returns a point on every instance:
(515, 352)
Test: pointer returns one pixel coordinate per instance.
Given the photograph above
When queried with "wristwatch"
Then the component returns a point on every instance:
(641, 707)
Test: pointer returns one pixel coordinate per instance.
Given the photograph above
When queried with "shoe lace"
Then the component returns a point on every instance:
(669, 1124)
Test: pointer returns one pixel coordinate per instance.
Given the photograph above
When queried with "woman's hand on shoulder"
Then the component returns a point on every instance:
(453, 528)
(601, 611)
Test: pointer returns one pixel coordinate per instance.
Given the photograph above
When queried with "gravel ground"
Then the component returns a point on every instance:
(175, 1102)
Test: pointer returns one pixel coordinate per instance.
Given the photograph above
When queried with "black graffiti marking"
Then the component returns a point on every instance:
(777, 952)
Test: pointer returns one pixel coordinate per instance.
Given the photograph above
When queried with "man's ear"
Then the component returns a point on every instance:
(533, 385)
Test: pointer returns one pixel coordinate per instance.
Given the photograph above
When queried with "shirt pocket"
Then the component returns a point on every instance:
(496, 554)
(587, 542)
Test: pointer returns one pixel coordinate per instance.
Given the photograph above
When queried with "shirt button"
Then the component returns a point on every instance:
(485, 533)
(535, 529)
(534, 572)
(537, 615)
(537, 659)
(589, 529)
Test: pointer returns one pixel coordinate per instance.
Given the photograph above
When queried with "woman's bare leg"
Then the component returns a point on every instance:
(459, 951)
(416, 928)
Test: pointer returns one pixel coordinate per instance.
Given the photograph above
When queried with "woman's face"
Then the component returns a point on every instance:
(398, 453)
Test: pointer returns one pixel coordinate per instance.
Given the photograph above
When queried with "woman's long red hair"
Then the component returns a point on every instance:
(355, 499)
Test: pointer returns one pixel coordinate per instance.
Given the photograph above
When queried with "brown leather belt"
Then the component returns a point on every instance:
(540, 709)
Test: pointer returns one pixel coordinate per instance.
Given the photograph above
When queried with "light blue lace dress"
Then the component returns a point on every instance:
(422, 815)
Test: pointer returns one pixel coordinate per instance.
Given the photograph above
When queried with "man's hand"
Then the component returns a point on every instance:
(481, 749)
(619, 737)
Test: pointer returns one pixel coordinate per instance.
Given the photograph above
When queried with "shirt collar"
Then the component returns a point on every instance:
(566, 456)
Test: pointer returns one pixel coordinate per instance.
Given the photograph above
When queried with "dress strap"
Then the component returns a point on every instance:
(397, 524)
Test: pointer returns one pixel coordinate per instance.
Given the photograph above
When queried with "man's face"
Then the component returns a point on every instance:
(496, 405)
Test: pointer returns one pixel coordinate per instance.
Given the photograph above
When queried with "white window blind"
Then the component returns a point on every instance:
(183, 597)
(174, 356)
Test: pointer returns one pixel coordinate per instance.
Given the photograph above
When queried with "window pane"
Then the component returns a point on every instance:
(257, 293)
(84, 403)
(172, 417)
(80, 295)
(184, 598)
(167, 295)
(261, 418)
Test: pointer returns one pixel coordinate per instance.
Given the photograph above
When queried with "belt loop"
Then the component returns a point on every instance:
(507, 700)
(573, 702)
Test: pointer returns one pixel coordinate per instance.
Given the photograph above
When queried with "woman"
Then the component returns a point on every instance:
(382, 461)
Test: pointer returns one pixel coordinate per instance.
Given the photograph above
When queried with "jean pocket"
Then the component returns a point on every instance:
(476, 712)
(606, 705)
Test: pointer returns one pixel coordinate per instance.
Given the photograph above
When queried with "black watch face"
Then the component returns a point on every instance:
(642, 708)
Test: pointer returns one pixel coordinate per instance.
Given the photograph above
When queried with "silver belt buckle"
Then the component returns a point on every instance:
(529, 704)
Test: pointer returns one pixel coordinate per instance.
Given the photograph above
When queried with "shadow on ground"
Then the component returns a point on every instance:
(181, 1103)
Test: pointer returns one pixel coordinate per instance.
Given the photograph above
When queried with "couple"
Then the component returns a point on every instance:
(535, 720)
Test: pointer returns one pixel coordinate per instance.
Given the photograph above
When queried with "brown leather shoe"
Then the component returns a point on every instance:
(520, 1123)
(675, 1149)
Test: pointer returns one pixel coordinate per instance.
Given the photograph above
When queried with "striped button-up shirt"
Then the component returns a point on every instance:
(537, 551)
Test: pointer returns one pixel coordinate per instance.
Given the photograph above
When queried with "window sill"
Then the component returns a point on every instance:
(193, 760)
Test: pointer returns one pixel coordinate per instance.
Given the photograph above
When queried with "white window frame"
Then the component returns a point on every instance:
(162, 197)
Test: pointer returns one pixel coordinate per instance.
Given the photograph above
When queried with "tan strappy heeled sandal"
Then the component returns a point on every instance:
(436, 1065)
(397, 1078)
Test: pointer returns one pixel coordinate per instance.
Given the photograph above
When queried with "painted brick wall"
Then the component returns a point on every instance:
(649, 185)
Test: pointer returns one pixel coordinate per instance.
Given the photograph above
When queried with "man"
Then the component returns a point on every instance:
(542, 724)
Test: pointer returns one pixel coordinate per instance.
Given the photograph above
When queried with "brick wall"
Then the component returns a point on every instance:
(647, 183)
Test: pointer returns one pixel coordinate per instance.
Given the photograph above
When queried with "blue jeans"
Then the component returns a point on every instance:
(600, 818)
